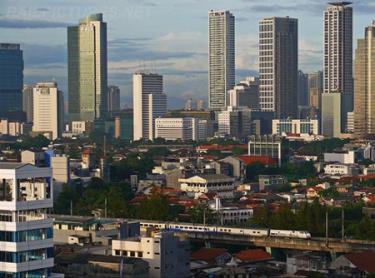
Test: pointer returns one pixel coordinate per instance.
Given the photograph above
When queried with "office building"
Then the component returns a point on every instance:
(221, 55)
(278, 66)
(81, 127)
(48, 110)
(11, 79)
(87, 69)
(364, 82)
(26, 229)
(338, 56)
(245, 94)
(267, 146)
(303, 89)
(113, 99)
(331, 114)
(295, 126)
(167, 255)
(149, 103)
(315, 83)
(235, 122)
(14, 128)
(184, 129)
(28, 102)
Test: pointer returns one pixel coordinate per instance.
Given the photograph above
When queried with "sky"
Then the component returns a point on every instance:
(163, 36)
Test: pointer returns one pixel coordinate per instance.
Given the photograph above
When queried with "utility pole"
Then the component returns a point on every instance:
(105, 207)
(326, 227)
(342, 224)
(71, 207)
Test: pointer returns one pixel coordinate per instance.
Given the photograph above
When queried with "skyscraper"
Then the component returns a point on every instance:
(48, 110)
(221, 55)
(11, 78)
(278, 66)
(27, 102)
(303, 88)
(338, 51)
(364, 84)
(149, 103)
(87, 69)
(315, 89)
(113, 99)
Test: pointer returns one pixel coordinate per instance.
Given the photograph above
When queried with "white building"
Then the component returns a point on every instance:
(295, 126)
(172, 129)
(167, 255)
(246, 94)
(199, 184)
(270, 146)
(13, 128)
(337, 169)
(149, 103)
(48, 110)
(221, 54)
(80, 127)
(27, 241)
(340, 157)
(338, 59)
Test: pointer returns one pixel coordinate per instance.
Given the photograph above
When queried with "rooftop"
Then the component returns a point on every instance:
(12, 165)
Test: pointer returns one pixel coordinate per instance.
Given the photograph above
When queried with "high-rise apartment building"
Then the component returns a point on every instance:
(278, 66)
(364, 84)
(87, 69)
(11, 78)
(48, 110)
(27, 102)
(26, 230)
(338, 60)
(315, 89)
(113, 99)
(221, 55)
(149, 103)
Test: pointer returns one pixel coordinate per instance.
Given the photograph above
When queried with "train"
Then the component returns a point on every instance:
(255, 232)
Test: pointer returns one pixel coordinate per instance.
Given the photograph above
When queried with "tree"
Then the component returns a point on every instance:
(154, 207)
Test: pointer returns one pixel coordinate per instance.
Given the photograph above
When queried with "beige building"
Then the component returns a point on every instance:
(331, 114)
(167, 255)
(200, 184)
(364, 85)
(14, 128)
(48, 110)
(81, 127)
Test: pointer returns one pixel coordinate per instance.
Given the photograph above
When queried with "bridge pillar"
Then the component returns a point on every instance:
(207, 244)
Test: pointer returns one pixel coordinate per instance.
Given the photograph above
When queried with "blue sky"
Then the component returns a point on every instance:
(164, 36)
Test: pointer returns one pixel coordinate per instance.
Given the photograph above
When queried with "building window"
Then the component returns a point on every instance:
(117, 252)
(132, 254)
(140, 254)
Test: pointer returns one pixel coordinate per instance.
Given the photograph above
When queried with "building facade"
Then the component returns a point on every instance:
(278, 66)
(331, 114)
(295, 126)
(364, 85)
(315, 89)
(221, 55)
(26, 230)
(245, 94)
(87, 69)
(167, 255)
(184, 129)
(11, 78)
(266, 145)
(303, 89)
(149, 103)
(235, 122)
(28, 102)
(113, 99)
(338, 56)
(48, 110)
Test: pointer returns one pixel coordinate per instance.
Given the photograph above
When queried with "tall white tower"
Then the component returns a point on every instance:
(338, 57)
(149, 103)
(221, 76)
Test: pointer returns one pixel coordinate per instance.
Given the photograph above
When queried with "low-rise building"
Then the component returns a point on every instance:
(266, 146)
(341, 157)
(271, 182)
(295, 126)
(338, 169)
(199, 184)
(168, 256)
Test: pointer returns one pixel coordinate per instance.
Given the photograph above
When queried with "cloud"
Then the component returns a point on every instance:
(31, 24)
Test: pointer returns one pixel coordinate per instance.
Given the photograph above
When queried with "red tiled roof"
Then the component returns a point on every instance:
(365, 261)
(253, 255)
(207, 254)
(216, 147)
(267, 160)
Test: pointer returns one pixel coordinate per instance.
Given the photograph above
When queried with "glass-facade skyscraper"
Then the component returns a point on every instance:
(87, 69)
(11, 79)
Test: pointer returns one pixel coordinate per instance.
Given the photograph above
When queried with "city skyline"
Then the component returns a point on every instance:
(163, 48)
